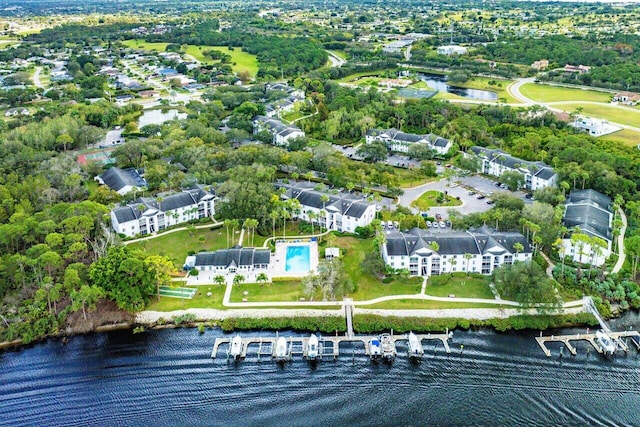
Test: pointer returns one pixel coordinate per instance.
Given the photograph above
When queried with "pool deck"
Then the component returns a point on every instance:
(279, 260)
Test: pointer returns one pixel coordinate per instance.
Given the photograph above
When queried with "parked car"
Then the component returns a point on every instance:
(471, 193)
(435, 224)
(442, 224)
(480, 197)
(528, 196)
(448, 223)
(490, 202)
(429, 224)
(396, 224)
(390, 224)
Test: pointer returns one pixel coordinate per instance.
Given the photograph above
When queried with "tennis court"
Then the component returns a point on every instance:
(186, 293)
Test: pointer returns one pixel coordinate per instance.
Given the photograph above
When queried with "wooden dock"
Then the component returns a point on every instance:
(617, 338)
(328, 346)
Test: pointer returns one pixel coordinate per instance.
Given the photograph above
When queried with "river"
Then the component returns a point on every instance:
(166, 377)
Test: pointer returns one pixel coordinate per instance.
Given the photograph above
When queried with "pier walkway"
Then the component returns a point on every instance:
(617, 337)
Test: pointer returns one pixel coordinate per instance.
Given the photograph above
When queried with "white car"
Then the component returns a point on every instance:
(442, 224)
(435, 224)
(396, 224)
(429, 224)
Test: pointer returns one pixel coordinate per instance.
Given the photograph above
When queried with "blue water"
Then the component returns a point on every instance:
(167, 378)
(298, 259)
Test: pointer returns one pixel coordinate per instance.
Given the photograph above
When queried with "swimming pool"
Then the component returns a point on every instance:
(298, 259)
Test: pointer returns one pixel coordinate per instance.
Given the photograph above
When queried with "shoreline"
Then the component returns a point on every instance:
(298, 319)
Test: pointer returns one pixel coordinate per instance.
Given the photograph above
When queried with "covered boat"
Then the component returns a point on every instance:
(605, 342)
(281, 350)
(375, 348)
(235, 350)
(312, 347)
(415, 347)
(388, 347)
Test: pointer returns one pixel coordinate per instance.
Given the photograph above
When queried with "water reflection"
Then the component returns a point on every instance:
(439, 82)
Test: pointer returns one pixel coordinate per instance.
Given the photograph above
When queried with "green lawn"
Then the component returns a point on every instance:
(460, 285)
(199, 300)
(241, 60)
(339, 53)
(414, 304)
(546, 93)
(280, 291)
(369, 286)
(351, 77)
(177, 245)
(430, 199)
(625, 115)
(624, 136)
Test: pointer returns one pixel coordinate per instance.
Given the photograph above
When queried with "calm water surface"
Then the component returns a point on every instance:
(166, 378)
(439, 82)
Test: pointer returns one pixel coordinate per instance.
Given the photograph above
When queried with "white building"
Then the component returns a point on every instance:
(396, 140)
(536, 175)
(338, 211)
(234, 260)
(426, 253)
(592, 213)
(451, 50)
(147, 215)
(594, 127)
(282, 133)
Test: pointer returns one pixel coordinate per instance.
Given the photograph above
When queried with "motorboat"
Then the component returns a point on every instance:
(605, 342)
(281, 350)
(375, 348)
(415, 347)
(388, 347)
(312, 347)
(235, 350)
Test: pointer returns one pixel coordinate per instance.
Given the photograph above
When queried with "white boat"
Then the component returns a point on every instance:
(604, 341)
(415, 348)
(235, 350)
(375, 348)
(312, 347)
(388, 347)
(281, 349)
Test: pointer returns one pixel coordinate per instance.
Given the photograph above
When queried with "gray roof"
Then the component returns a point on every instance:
(539, 169)
(117, 179)
(480, 241)
(343, 203)
(590, 196)
(275, 125)
(592, 218)
(191, 196)
(234, 257)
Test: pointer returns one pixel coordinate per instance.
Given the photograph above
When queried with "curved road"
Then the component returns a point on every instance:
(514, 90)
(621, 254)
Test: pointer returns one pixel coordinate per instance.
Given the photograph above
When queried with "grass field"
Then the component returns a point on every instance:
(176, 245)
(429, 200)
(546, 93)
(281, 291)
(351, 77)
(242, 60)
(460, 285)
(339, 53)
(199, 300)
(625, 136)
(416, 304)
(625, 115)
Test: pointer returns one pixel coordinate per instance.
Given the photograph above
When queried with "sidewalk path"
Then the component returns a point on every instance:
(153, 236)
(621, 253)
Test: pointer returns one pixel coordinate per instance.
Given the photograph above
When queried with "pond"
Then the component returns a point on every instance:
(440, 82)
(157, 117)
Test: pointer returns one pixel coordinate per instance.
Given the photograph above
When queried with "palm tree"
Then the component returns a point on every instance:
(262, 278)
(312, 216)
(274, 215)
(219, 279)
(238, 279)
(518, 247)
(227, 225)
(467, 257)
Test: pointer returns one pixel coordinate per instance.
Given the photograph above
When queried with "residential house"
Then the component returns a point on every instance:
(594, 127)
(122, 181)
(11, 112)
(540, 65)
(451, 50)
(234, 260)
(396, 140)
(629, 98)
(339, 211)
(282, 133)
(580, 69)
(285, 105)
(536, 175)
(147, 215)
(592, 213)
(426, 253)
